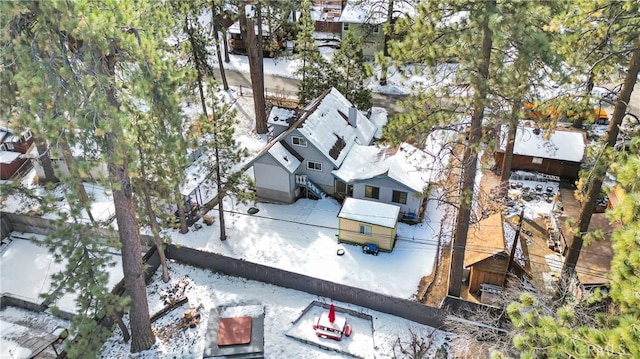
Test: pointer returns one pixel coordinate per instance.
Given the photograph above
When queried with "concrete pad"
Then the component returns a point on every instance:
(254, 348)
(357, 345)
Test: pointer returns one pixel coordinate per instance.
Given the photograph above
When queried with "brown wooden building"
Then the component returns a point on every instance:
(486, 254)
(559, 153)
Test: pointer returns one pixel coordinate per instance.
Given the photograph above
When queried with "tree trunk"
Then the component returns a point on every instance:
(157, 241)
(223, 230)
(184, 226)
(216, 38)
(384, 66)
(225, 45)
(45, 160)
(600, 168)
(470, 158)
(68, 159)
(142, 335)
(247, 28)
(153, 221)
(505, 170)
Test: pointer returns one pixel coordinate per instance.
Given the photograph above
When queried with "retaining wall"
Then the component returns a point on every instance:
(403, 308)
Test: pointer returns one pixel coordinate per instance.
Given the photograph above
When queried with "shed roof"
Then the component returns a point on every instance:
(484, 240)
(561, 145)
(380, 214)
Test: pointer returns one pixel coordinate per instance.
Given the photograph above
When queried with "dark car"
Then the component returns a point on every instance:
(370, 248)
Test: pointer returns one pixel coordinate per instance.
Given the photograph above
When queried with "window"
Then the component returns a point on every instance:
(372, 192)
(345, 27)
(376, 29)
(537, 161)
(399, 197)
(299, 141)
(366, 230)
(9, 146)
(316, 166)
(344, 188)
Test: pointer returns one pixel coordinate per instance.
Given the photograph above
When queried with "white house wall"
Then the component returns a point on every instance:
(273, 182)
(387, 186)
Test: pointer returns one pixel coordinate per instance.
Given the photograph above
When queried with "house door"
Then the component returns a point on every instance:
(343, 188)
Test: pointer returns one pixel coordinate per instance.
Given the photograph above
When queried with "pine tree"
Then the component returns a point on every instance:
(94, 63)
(256, 70)
(349, 73)
(441, 33)
(314, 69)
(613, 34)
(216, 27)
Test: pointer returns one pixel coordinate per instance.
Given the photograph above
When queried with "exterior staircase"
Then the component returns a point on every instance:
(304, 182)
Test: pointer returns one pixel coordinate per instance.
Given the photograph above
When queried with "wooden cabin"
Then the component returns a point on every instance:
(362, 221)
(561, 154)
(487, 253)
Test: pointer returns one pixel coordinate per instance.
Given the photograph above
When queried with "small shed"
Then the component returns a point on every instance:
(487, 254)
(561, 154)
(362, 221)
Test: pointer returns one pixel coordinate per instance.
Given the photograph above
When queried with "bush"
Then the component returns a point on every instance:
(208, 220)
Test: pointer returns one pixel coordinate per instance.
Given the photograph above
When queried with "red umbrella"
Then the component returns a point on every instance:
(332, 314)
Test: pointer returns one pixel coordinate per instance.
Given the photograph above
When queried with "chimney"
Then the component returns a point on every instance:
(353, 116)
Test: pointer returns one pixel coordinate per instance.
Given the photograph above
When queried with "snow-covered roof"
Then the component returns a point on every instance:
(281, 116)
(195, 174)
(379, 117)
(327, 127)
(284, 157)
(364, 162)
(380, 214)
(407, 165)
(7, 157)
(235, 28)
(373, 11)
(411, 167)
(561, 145)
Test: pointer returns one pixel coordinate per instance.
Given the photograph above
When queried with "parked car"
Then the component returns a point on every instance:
(370, 248)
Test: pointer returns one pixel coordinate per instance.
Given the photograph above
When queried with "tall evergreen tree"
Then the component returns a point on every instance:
(314, 69)
(96, 59)
(349, 73)
(256, 69)
(610, 30)
(440, 33)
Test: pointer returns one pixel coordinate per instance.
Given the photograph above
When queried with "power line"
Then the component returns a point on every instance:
(427, 242)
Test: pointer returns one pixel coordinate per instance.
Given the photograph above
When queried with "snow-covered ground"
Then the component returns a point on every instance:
(208, 290)
(26, 269)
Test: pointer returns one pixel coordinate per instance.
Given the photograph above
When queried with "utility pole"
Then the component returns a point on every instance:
(513, 247)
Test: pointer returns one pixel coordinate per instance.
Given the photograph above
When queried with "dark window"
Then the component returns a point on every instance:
(316, 166)
(399, 197)
(372, 192)
(299, 141)
(366, 230)
(346, 27)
